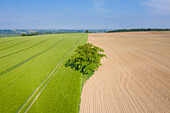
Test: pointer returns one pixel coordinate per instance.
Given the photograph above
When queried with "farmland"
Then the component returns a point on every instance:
(33, 77)
(134, 79)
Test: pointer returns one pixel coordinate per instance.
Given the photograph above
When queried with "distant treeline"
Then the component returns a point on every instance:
(135, 30)
(35, 33)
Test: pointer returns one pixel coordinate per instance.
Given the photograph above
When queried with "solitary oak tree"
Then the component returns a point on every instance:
(87, 31)
(86, 58)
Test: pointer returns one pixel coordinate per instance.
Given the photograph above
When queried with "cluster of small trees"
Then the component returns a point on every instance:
(30, 34)
(86, 59)
(87, 31)
(143, 29)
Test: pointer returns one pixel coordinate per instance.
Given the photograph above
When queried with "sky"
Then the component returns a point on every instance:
(84, 14)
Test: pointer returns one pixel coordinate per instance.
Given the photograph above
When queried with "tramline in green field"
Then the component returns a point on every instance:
(33, 77)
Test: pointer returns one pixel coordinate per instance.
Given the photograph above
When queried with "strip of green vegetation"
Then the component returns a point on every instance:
(83, 81)
(86, 77)
(62, 92)
(135, 30)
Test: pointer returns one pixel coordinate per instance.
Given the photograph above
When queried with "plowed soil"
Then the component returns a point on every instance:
(135, 78)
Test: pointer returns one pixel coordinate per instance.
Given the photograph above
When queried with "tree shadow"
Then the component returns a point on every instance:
(70, 64)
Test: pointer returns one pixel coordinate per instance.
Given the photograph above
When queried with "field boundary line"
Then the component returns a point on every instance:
(28, 59)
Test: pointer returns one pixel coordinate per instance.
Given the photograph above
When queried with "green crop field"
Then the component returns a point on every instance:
(33, 77)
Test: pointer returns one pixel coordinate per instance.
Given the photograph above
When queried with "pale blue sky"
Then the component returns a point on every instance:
(84, 14)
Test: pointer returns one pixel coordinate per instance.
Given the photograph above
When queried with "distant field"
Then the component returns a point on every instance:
(9, 35)
(33, 77)
(134, 79)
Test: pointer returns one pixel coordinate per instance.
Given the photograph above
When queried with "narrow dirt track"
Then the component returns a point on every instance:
(134, 79)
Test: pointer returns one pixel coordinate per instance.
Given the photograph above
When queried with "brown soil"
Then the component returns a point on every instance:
(134, 79)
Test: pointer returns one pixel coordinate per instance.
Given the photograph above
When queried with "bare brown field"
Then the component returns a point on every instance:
(134, 79)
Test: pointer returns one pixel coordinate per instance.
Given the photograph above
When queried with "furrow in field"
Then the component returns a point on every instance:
(30, 58)
(24, 49)
(13, 45)
(6, 41)
(155, 40)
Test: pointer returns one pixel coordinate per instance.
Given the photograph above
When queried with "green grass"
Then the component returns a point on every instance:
(9, 35)
(29, 80)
